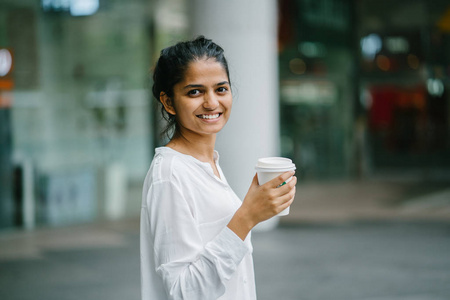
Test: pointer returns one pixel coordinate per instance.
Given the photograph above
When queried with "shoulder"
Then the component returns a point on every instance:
(166, 176)
(166, 165)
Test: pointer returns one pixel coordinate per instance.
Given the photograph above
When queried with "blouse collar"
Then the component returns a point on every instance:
(202, 164)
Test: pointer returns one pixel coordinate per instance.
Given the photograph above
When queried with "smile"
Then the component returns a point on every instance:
(209, 117)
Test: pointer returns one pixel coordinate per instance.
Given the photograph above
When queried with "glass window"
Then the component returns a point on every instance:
(80, 105)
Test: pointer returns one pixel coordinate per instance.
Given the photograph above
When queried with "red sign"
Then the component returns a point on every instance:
(6, 79)
(6, 68)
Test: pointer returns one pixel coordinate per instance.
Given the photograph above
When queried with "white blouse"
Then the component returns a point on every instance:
(187, 250)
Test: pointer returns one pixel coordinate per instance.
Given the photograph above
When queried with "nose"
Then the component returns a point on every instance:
(211, 101)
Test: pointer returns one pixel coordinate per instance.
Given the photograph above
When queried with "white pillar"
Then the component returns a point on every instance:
(247, 30)
(115, 191)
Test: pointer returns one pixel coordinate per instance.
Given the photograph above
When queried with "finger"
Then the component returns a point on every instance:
(289, 185)
(285, 188)
(255, 179)
(281, 180)
(286, 204)
(288, 197)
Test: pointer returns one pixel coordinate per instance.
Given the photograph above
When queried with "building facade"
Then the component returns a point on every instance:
(364, 87)
(76, 116)
(345, 88)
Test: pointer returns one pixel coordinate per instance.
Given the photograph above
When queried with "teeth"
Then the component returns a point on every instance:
(209, 116)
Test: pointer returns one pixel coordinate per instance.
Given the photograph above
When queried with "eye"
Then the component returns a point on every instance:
(222, 89)
(194, 92)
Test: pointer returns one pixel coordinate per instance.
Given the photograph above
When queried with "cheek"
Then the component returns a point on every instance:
(183, 112)
(229, 103)
(179, 106)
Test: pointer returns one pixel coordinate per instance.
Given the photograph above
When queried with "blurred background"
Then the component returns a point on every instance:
(355, 92)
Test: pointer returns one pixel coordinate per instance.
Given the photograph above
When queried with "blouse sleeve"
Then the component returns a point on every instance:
(189, 268)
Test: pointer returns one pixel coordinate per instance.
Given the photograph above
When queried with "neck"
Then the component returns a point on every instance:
(200, 147)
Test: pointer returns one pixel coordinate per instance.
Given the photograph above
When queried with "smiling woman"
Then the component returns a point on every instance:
(201, 102)
(195, 231)
(172, 67)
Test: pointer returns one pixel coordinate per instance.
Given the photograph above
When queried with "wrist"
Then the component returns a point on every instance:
(241, 223)
(245, 218)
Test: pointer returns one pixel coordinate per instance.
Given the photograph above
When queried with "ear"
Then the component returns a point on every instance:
(167, 103)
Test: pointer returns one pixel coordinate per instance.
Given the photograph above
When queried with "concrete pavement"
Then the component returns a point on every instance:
(342, 261)
(375, 199)
(343, 240)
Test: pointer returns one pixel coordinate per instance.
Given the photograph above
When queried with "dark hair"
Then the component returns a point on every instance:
(172, 65)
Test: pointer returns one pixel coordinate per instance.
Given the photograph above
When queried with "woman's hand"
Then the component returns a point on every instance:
(263, 202)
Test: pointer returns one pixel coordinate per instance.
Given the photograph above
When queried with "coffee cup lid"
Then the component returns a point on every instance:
(275, 164)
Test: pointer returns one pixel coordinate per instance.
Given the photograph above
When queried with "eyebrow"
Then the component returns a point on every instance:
(189, 86)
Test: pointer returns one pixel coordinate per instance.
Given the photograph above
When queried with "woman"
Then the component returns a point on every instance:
(195, 232)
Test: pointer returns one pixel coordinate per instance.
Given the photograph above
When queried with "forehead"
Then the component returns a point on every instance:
(205, 70)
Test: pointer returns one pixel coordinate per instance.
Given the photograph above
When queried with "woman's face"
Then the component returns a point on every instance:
(202, 100)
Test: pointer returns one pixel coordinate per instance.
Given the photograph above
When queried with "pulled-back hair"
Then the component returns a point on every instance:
(171, 68)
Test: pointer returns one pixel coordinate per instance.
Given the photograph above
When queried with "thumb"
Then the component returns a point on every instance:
(255, 180)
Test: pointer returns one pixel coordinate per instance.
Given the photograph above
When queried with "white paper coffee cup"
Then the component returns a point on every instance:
(268, 168)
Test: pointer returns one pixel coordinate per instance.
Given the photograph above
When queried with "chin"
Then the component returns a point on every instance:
(212, 131)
